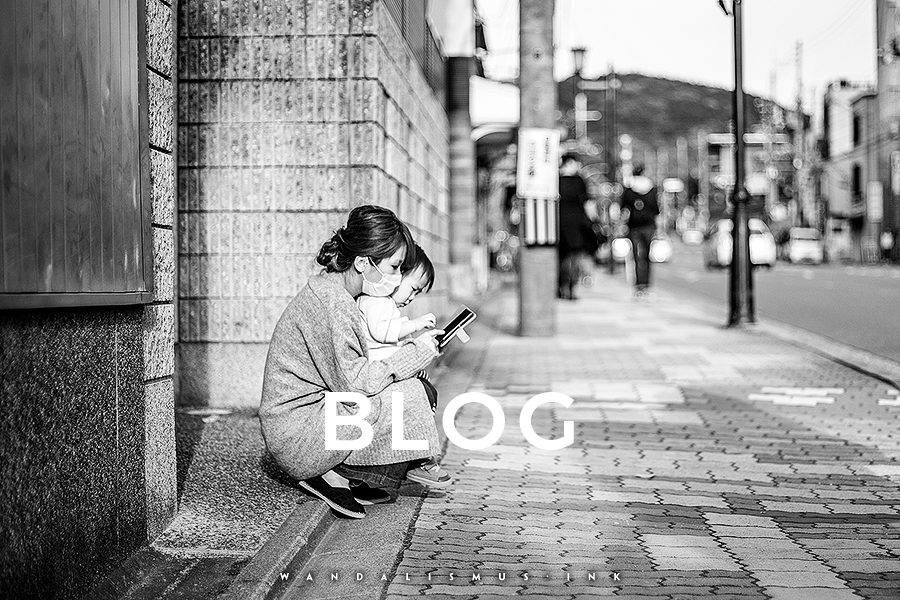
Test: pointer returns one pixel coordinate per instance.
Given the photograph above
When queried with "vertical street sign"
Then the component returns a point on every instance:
(537, 184)
(537, 165)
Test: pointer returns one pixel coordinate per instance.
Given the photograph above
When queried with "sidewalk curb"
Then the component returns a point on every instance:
(290, 546)
(865, 362)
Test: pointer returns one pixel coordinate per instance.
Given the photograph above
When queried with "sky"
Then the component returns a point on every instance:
(691, 40)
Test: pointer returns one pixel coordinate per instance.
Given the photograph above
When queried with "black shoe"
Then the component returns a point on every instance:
(340, 499)
(367, 495)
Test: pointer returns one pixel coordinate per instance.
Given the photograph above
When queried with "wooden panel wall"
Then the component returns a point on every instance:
(74, 178)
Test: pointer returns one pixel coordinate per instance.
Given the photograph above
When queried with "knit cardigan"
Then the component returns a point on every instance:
(319, 346)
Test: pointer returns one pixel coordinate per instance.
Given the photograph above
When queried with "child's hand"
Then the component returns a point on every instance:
(425, 322)
(429, 336)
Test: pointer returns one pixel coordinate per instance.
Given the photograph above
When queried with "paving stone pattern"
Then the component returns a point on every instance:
(684, 480)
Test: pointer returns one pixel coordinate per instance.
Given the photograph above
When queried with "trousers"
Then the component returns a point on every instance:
(641, 236)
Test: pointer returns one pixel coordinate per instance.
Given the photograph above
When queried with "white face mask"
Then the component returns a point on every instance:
(384, 286)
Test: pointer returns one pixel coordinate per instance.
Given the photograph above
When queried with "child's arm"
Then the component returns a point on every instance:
(413, 325)
(386, 324)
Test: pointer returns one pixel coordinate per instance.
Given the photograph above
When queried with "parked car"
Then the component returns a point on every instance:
(661, 248)
(717, 248)
(692, 237)
(805, 245)
(621, 249)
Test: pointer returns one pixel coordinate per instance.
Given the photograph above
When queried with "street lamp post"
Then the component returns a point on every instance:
(611, 136)
(741, 274)
(580, 99)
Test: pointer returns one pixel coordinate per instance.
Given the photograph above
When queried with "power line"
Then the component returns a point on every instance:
(853, 13)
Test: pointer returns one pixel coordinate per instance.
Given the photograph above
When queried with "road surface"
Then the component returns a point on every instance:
(856, 305)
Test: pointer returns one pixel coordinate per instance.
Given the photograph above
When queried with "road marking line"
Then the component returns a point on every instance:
(803, 391)
(788, 400)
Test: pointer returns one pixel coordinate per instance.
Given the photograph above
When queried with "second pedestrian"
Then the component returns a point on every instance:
(576, 234)
(639, 201)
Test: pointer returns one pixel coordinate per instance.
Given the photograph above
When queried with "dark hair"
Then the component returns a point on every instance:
(420, 260)
(569, 157)
(372, 231)
(637, 170)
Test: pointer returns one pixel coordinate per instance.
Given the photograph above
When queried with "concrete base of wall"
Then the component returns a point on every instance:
(220, 374)
(159, 463)
(72, 454)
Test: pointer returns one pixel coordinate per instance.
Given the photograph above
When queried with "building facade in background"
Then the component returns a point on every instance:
(859, 150)
(224, 140)
(846, 142)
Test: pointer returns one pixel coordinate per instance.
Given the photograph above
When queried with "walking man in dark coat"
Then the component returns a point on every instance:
(576, 234)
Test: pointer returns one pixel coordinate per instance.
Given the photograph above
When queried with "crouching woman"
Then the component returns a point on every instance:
(319, 346)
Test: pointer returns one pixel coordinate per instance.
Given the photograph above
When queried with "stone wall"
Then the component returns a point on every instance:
(159, 316)
(290, 113)
(87, 454)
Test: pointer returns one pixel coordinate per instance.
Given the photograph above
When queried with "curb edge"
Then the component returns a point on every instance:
(296, 538)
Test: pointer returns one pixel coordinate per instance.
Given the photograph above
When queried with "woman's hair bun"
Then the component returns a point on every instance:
(330, 252)
(371, 231)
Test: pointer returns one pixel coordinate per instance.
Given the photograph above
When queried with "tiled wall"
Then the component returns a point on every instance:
(290, 113)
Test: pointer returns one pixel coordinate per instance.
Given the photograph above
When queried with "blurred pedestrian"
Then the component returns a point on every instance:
(639, 199)
(576, 234)
(887, 244)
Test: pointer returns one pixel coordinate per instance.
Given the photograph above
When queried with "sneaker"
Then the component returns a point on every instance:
(340, 499)
(430, 474)
(367, 495)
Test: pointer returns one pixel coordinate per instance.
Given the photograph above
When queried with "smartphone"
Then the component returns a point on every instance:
(463, 317)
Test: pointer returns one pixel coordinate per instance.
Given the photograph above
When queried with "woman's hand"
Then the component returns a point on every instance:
(428, 337)
(425, 322)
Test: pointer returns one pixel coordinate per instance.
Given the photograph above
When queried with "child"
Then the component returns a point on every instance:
(386, 329)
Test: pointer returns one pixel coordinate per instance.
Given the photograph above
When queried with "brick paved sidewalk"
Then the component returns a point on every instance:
(706, 462)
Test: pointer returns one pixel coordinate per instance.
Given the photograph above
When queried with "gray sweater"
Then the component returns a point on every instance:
(319, 346)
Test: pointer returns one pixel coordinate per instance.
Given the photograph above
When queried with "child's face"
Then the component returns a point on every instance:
(411, 286)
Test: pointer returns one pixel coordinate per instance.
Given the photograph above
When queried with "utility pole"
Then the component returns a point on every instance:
(798, 197)
(609, 87)
(741, 274)
(609, 100)
(538, 264)
(769, 121)
(703, 177)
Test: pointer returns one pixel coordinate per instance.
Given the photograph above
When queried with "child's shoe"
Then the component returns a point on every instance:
(430, 474)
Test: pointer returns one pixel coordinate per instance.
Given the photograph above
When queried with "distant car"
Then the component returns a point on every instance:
(692, 237)
(717, 249)
(805, 245)
(661, 248)
(621, 249)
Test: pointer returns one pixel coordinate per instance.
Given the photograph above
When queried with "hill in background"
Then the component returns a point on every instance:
(656, 111)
